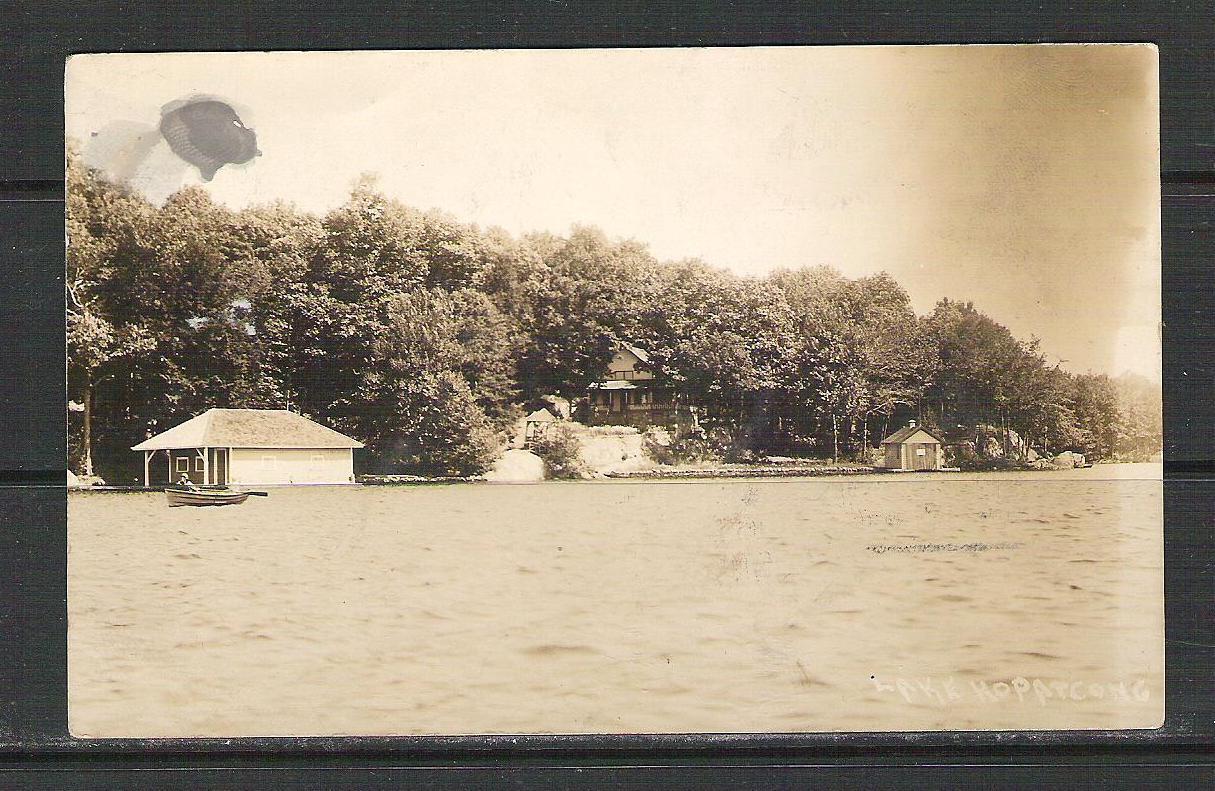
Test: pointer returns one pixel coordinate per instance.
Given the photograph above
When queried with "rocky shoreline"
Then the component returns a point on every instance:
(785, 471)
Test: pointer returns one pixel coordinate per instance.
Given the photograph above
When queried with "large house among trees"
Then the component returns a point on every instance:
(633, 395)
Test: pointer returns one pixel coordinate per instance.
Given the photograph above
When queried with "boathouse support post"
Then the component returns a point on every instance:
(147, 473)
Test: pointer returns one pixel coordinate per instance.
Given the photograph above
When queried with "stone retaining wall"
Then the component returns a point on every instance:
(388, 480)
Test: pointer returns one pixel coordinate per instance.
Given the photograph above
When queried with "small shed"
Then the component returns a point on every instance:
(537, 425)
(914, 447)
(262, 446)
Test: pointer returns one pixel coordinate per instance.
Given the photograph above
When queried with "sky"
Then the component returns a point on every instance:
(1022, 178)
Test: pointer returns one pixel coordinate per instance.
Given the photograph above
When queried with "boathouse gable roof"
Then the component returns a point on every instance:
(248, 428)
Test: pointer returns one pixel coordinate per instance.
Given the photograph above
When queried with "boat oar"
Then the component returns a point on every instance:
(259, 494)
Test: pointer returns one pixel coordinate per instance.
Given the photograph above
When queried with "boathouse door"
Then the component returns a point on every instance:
(219, 466)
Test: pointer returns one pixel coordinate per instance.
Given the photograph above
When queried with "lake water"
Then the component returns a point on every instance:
(908, 602)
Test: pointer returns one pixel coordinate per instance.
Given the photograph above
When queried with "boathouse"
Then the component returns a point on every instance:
(249, 446)
(633, 395)
(913, 447)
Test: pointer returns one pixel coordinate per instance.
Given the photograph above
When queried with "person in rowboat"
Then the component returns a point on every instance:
(187, 483)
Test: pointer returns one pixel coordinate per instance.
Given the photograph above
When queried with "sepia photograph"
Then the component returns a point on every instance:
(614, 391)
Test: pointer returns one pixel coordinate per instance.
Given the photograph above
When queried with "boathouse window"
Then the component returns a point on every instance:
(198, 464)
(920, 452)
(183, 464)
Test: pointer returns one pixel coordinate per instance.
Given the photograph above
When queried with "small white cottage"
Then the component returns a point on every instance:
(249, 446)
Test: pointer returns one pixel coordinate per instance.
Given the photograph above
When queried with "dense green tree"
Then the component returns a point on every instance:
(413, 404)
(724, 341)
(282, 241)
(1094, 402)
(1139, 418)
(976, 357)
(457, 256)
(102, 339)
(490, 346)
(864, 352)
(368, 253)
(583, 295)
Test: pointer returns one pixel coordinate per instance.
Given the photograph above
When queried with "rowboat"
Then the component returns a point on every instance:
(180, 495)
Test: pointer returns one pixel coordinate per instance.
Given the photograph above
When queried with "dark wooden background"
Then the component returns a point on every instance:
(35, 750)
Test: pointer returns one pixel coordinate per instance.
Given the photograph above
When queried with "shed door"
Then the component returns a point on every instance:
(923, 456)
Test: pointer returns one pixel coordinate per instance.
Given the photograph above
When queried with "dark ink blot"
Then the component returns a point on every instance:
(208, 134)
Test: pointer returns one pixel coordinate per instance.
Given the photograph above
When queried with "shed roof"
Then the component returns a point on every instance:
(907, 431)
(248, 428)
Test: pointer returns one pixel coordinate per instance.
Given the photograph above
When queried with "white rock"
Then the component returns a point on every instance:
(1067, 460)
(517, 466)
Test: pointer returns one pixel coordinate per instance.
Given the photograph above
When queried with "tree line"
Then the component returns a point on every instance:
(426, 338)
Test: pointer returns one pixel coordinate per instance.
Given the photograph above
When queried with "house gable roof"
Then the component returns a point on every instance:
(640, 354)
(248, 428)
(906, 432)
